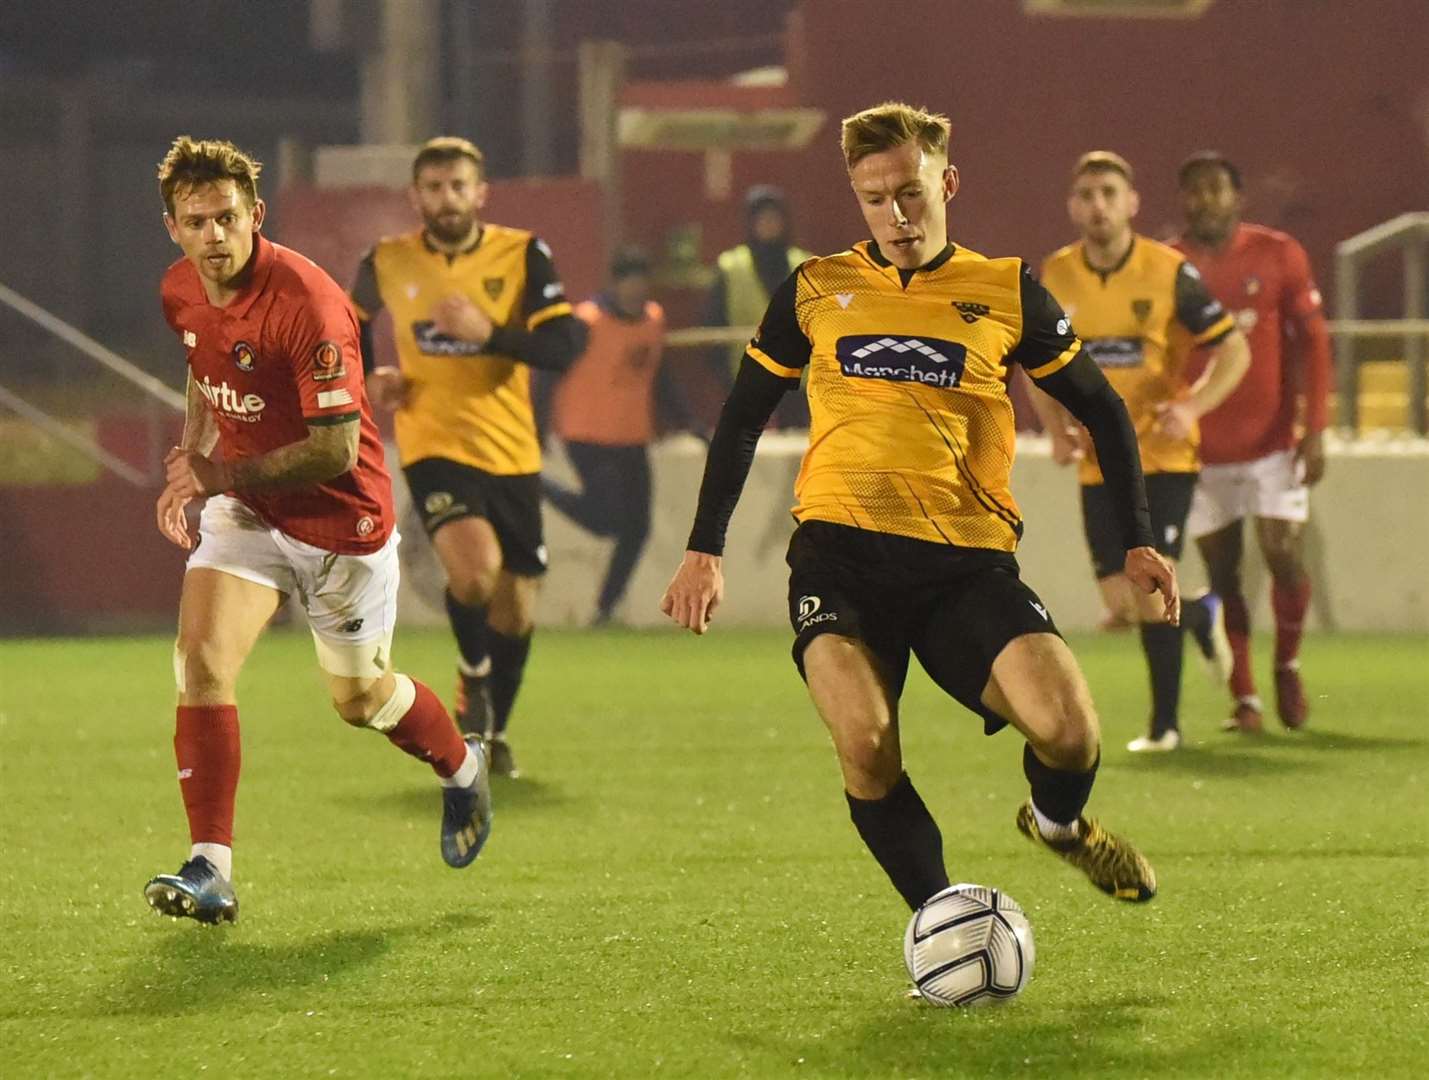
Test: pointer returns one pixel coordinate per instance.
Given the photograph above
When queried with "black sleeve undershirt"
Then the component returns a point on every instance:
(552, 346)
(747, 409)
(1082, 389)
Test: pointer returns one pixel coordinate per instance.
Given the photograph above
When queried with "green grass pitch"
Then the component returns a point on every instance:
(675, 889)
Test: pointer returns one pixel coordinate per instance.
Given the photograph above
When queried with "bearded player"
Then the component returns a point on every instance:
(1263, 448)
(298, 503)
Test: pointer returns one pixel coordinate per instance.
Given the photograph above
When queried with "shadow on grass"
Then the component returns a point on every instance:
(1313, 739)
(198, 969)
(1243, 759)
(506, 795)
(1122, 1034)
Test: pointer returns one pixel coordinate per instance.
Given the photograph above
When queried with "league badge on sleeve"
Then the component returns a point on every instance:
(327, 362)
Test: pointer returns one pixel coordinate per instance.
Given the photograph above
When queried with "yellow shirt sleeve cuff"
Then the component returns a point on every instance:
(547, 313)
(1058, 362)
(764, 360)
(1219, 329)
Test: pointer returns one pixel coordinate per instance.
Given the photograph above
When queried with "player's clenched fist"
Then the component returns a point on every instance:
(1150, 572)
(387, 387)
(695, 591)
(190, 474)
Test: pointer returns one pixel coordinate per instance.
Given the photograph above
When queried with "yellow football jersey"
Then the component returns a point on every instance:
(463, 404)
(1139, 322)
(911, 429)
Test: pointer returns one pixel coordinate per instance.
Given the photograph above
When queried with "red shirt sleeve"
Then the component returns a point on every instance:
(1300, 305)
(322, 344)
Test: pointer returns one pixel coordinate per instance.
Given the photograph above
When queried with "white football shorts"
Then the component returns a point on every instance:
(1270, 487)
(350, 600)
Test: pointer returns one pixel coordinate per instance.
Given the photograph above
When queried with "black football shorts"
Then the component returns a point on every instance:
(953, 608)
(1168, 497)
(444, 491)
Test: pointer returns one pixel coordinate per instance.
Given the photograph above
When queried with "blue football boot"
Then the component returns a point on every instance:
(197, 891)
(466, 813)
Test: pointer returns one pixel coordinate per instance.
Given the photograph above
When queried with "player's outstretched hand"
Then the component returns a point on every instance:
(172, 522)
(387, 388)
(695, 591)
(1150, 572)
(191, 475)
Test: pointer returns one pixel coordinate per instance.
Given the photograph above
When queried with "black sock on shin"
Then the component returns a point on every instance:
(905, 840)
(1161, 643)
(508, 665)
(1060, 794)
(469, 625)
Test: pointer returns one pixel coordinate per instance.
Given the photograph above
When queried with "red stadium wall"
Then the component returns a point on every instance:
(1323, 105)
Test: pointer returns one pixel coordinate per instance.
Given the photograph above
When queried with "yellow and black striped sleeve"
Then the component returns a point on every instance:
(1048, 342)
(545, 295)
(780, 346)
(1197, 310)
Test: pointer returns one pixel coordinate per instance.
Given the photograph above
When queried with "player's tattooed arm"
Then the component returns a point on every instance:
(329, 450)
(200, 430)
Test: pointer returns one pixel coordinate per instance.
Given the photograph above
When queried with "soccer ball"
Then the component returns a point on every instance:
(967, 945)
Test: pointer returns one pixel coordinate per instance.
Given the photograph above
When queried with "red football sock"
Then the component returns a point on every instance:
(1289, 602)
(1237, 616)
(427, 731)
(206, 748)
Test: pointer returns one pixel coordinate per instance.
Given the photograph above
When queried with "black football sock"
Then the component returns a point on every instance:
(469, 625)
(508, 665)
(1060, 794)
(1161, 643)
(1196, 618)
(905, 840)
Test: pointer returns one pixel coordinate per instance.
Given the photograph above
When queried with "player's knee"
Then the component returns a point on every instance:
(369, 705)
(474, 585)
(202, 671)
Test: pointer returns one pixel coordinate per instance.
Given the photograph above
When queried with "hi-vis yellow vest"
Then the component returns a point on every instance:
(745, 298)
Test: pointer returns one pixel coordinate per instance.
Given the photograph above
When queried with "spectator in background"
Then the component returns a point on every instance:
(604, 413)
(749, 273)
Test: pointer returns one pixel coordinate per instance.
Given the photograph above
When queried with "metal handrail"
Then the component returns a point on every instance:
(91, 449)
(125, 369)
(1408, 233)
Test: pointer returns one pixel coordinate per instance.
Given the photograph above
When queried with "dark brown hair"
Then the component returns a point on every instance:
(191, 163)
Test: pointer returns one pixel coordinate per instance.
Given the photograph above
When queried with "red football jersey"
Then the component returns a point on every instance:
(1263, 278)
(282, 355)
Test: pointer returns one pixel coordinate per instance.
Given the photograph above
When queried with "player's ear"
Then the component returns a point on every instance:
(478, 196)
(1133, 203)
(950, 182)
(172, 226)
(260, 210)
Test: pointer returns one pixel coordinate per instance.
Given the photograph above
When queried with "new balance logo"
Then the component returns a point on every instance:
(844, 299)
(1039, 609)
(971, 313)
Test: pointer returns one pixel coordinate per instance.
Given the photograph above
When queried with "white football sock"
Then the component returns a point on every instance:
(1054, 830)
(221, 855)
(465, 773)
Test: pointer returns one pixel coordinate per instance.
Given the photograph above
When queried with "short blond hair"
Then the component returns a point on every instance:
(191, 163)
(1100, 161)
(890, 125)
